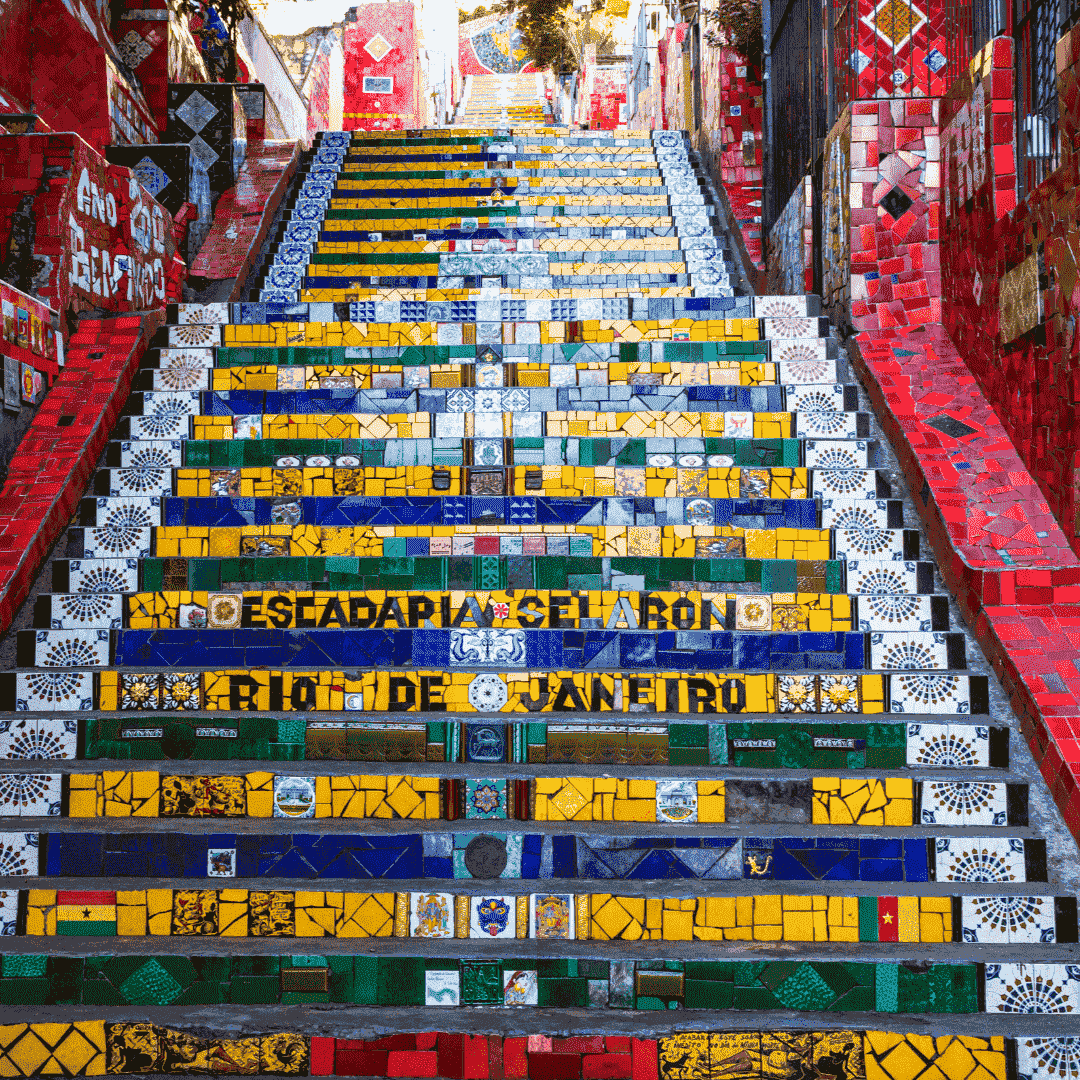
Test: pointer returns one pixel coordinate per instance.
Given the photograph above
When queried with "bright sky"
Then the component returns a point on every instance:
(296, 16)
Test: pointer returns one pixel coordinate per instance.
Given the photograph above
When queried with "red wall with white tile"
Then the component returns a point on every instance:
(397, 109)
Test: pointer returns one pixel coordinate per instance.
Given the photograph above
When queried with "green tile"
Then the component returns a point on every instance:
(868, 918)
(149, 985)
(887, 986)
(24, 967)
(481, 984)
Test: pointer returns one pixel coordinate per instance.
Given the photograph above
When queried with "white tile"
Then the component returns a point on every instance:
(71, 648)
(1005, 919)
(520, 987)
(18, 854)
(552, 915)
(442, 988)
(976, 802)
(951, 746)
(836, 454)
(872, 576)
(884, 545)
(908, 651)
(187, 314)
(1049, 1058)
(676, 802)
(294, 796)
(9, 912)
(844, 483)
(936, 694)
(844, 513)
(192, 335)
(431, 915)
(896, 611)
(979, 858)
(78, 611)
(103, 575)
(30, 794)
(1032, 988)
(492, 916)
(117, 543)
(158, 454)
(25, 738)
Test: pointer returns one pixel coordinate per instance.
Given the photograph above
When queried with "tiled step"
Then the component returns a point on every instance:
(540, 609)
(553, 568)
(712, 921)
(850, 745)
(581, 856)
(672, 690)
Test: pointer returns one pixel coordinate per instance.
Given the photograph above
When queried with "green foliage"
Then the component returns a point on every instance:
(738, 26)
(541, 23)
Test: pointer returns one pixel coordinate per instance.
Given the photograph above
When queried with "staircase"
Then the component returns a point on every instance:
(502, 552)
(500, 100)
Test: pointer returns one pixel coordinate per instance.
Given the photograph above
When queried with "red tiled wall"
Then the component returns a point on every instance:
(888, 49)
(70, 222)
(894, 258)
(15, 72)
(396, 110)
(1031, 377)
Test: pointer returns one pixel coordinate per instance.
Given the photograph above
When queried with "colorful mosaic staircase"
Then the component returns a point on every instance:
(500, 544)
(504, 99)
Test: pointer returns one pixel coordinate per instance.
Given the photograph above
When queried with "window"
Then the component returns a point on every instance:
(378, 84)
(1038, 25)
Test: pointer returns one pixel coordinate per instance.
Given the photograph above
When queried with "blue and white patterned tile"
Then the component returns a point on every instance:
(845, 513)
(948, 746)
(899, 611)
(883, 545)
(195, 335)
(9, 912)
(837, 454)
(86, 611)
(1048, 1058)
(117, 542)
(909, 651)
(826, 425)
(128, 511)
(71, 648)
(30, 738)
(30, 794)
(854, 484)
(887, 578)
(1044, 989)
(930, 693)
(19, 854)
(979, 859)
(1005, 919)
(955, 803)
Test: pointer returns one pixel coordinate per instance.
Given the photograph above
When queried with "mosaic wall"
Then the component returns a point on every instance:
(491, 46)
(836, 207)
(72, 45)
(382, 71)
(29, 341)
(789, 256)
(99, 239)
(891, 48)
(730, 140)
(1010, 299)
